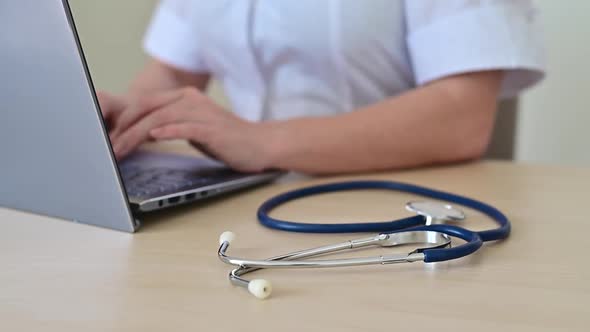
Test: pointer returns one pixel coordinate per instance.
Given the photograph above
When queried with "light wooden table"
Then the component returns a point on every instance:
(60, 276)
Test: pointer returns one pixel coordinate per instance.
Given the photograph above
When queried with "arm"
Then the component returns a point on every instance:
(445, 121)
(158, 76)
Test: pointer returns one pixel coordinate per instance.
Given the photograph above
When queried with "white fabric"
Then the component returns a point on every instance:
(284, 59)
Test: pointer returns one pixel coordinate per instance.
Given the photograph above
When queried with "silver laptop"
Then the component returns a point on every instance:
(55, 155)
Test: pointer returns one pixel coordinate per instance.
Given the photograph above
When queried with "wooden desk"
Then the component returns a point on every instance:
(60, 276)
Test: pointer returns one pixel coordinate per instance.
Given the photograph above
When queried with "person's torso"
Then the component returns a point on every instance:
(285, 59)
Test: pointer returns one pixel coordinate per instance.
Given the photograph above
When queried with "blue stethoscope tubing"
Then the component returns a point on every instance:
(474, 240)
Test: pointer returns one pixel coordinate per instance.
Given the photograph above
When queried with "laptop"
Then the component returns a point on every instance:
(55, 155)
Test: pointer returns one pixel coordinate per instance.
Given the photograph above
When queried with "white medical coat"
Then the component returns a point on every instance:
(279, 59)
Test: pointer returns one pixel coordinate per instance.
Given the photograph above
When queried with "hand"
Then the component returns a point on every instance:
(188, 114)
(111, 106)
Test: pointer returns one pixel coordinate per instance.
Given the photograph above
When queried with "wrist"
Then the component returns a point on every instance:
(269, 137)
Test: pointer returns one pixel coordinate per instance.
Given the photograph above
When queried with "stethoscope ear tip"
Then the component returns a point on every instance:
(227, 237)
(260, 288)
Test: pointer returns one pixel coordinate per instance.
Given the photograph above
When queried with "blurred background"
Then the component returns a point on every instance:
(553, 119)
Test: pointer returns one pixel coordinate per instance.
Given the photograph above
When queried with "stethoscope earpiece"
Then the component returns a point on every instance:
(260, 288)
(228, 237)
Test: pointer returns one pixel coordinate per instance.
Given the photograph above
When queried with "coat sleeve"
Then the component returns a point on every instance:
(460, 36)
(172, 36)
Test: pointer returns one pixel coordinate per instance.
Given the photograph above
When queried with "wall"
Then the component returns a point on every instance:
(111, 32)
(555, 116)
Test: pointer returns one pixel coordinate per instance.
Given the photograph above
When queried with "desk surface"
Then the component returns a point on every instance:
(61, 276)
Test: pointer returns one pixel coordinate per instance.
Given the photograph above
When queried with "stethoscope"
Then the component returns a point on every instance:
(427, 228)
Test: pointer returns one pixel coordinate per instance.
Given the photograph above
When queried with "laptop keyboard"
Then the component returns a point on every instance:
(152, 182)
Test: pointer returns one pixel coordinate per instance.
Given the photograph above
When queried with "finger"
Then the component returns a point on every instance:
(138, 133)
(110, 105)
(190, 131)
(142, 108)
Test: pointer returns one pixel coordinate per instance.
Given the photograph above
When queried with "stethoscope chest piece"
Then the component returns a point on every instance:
(435, 212)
